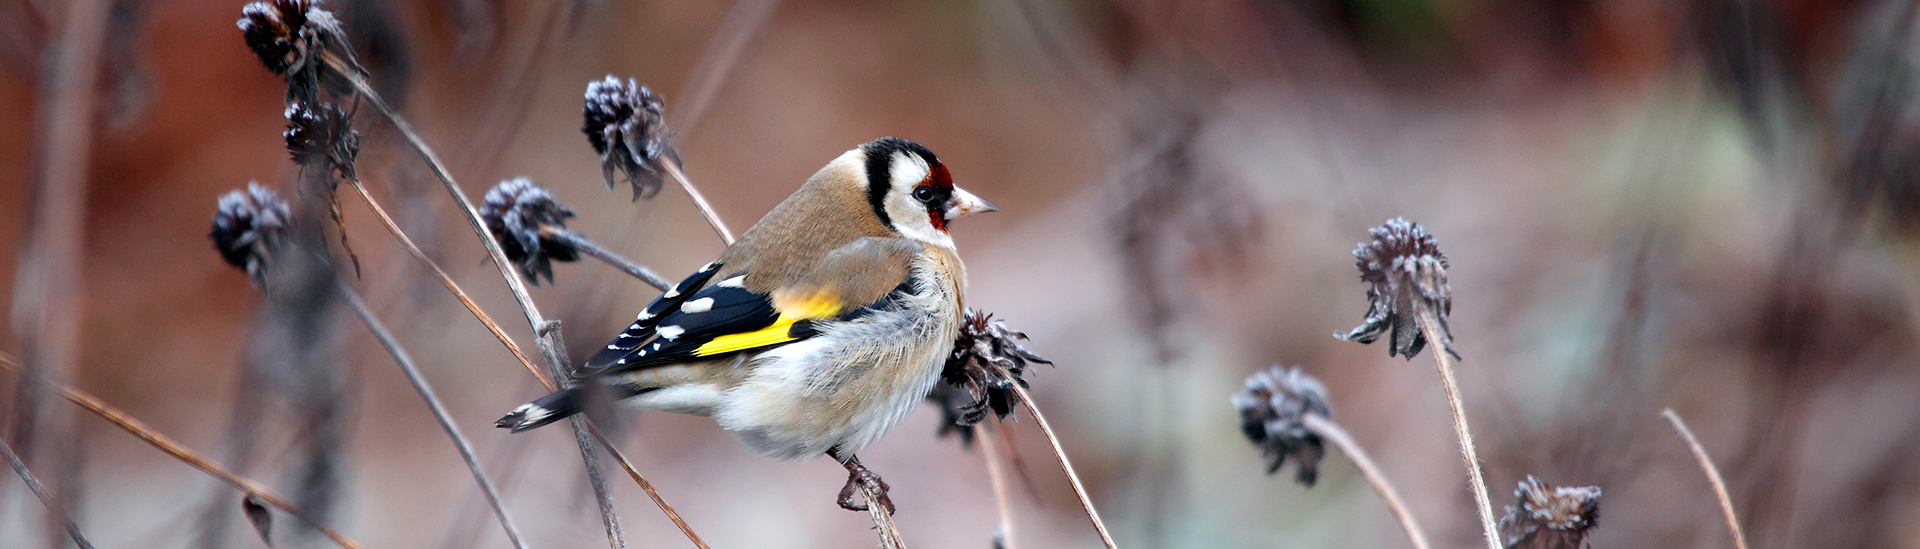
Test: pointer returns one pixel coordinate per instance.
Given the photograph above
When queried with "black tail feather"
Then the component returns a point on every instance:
(547, 409)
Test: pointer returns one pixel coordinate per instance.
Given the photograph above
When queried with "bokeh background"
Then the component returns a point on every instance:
(1707, 205)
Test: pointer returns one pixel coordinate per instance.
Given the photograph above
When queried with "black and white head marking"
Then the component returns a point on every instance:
(909, 189)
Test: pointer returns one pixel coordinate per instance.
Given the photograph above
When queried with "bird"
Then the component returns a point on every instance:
(817, 331)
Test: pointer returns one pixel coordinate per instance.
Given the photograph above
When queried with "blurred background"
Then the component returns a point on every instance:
(1707, 205)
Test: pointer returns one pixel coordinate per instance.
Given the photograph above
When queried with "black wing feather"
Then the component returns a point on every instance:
(643, 327)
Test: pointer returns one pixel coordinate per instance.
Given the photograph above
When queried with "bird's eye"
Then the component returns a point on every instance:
(923, 194)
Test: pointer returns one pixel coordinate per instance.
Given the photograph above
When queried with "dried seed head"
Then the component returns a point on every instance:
(1271, 411)
(272, 30)
(1406, 269)
(1550, 517)
(521, 215)
(987, 360)
(624, 124)
(248, 227)
(322, 135)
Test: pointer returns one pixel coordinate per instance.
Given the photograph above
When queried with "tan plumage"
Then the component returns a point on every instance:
(817, 331)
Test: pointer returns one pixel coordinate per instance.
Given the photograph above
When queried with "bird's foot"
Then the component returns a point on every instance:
(858, 478)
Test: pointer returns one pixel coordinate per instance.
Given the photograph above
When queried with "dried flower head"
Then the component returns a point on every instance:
(1550, 517)
(290, 37)
(272, 30)
(521, 214)
(625, 125)
(322, 135)
(1271, 411)
(987, 360)
(1406, 270)
(248, 227)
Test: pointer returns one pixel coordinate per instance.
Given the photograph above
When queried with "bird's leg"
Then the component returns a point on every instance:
(858, 475)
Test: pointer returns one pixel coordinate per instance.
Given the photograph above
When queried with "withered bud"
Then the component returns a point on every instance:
(625, 125)
(1406, 270)
(272, 30)
(1550, 517)
(522, 216)
(248, 227)
(322, 135)
(1272, 408)
(987, 360)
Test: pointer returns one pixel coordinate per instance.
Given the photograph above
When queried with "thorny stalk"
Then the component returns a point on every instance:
(997, 476)
(402, 359)
(180, 452)
(40, 491)
(1065, 464)
(587, 246)
(1331, 431)
(545, 336)
(673, 169)
(1713, 476)
(1430, 325)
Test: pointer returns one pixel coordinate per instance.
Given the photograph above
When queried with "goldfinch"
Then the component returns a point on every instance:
(817, 331)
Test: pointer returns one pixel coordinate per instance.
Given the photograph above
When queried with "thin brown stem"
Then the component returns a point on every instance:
(1331, 431)
(997, 476)
(582, 243)
(1430, 326)
(446, 280)
(644, 485)
(699, 200)
(882, 520)
(401, 358)
(180, 452)
(46, 498)
(1713, 476)
(1073, 478)
(545, 335)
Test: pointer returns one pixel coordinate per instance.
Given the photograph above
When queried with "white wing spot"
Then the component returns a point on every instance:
(669, 332)
(698, 305)
(611, 347)
(735, 282)
(621, 361)
(673, 293)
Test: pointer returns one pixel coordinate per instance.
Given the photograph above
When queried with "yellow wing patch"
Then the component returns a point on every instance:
(792, 310)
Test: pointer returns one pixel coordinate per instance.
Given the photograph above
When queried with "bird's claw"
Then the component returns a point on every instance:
(850, 495)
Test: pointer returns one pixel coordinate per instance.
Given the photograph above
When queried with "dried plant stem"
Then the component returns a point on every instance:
(179, 451)
(1438, 343)
(644, 485)
(700, 201)
(882, 520)
(1331, 431)
(546, 336)
(1713, 476)
(401, 358)
(997, 476)
(1086, 503)
(40, 491)
(446, 280)
(580, 242)
(743, 21)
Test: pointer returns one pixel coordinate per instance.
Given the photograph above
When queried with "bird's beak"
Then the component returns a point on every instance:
(965, 203)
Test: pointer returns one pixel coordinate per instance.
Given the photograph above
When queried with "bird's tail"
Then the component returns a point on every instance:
(547, 409)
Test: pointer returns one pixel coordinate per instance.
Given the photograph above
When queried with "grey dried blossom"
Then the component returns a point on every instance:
(1406, 270)
(322, 136)
(624, 123)
(272, 30)
(522, 216)
(248, 227)
(1550, 517)
(1272, 412)
(987, 360)
(290, 36)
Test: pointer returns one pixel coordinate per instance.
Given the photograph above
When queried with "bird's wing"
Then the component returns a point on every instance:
(727, 317)
(649, 318)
